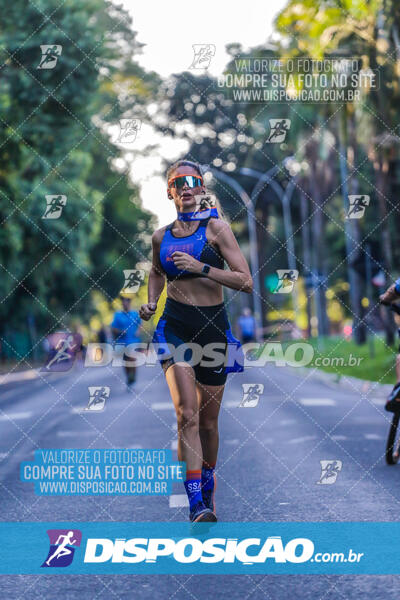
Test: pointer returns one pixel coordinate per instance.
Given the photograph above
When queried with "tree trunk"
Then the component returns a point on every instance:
(355, 304)
(305, 238)
(355, 230)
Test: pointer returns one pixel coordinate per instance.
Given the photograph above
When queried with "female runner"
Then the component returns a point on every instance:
(190, 253)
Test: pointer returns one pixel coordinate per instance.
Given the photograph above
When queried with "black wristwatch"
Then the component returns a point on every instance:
(206, 269)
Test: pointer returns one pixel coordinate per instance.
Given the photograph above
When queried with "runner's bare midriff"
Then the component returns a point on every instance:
(198, 291)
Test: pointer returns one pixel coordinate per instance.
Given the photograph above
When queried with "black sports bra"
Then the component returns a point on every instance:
(195, 244)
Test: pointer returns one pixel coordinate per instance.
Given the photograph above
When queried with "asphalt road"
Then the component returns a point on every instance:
(268, 469)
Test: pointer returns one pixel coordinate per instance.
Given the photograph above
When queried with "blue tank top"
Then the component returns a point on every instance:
(195, 244)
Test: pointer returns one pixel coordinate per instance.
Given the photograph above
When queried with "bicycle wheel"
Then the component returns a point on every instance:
(393, 445)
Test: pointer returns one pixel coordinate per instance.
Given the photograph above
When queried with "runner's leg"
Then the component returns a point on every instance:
(209, 398)
(181, 383)
(209, 401)
(130, 369)
(130, 374)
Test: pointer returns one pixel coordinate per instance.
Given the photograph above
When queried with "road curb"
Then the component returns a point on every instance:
(17, 376)
(29, 375)
(335, 380)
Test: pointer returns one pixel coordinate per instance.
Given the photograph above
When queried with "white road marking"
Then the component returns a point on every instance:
(368, 420)
(338, 438)
(231, 403)
(317, 402)
(287, 422)
(82, 411)
(373, 436)
(16, 416)
(178, 501)
(378, 401)
(11, 393)
(162, 406)
(74, 433)
(20, 376)
(174, 426)
(231, 442)
(306, 438)
(174, 445)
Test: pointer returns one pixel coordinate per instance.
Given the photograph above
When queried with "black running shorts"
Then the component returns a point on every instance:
(182, 324)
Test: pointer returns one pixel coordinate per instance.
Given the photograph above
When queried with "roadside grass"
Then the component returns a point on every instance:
(346, 358)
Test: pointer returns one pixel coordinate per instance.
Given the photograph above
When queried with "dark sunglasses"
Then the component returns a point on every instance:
(179, 181)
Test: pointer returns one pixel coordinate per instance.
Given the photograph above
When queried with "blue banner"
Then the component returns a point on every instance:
(218, 548)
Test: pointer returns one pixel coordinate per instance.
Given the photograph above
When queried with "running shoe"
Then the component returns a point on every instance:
(392, 404)
(209, 496)
(201, 513)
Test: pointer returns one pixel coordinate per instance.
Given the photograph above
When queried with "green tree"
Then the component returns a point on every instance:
(53, 142)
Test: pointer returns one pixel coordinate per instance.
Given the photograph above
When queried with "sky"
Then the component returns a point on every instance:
(169, 29)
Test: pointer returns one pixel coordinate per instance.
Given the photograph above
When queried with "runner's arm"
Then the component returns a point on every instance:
(116, 332)
(156, 280)
(238, 277)
(392, 293)
(156, 276)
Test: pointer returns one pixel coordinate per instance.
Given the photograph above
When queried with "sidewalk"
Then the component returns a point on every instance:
(31, 374)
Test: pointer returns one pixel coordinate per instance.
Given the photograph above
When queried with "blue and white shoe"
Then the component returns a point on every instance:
(209, 496)
(201, 513)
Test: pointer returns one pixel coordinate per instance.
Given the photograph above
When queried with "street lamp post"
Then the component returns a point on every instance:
(254, 265)
(250, 204)
(285, 198)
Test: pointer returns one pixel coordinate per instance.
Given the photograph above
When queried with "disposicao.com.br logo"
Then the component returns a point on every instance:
(200, 548)
(247, 551)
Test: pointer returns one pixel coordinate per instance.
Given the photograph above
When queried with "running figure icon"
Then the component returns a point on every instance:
(357, 206)
(279, 129)
(50, 55)
(62, 549)
(62, 350)
(329, 471)
(54, 206)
